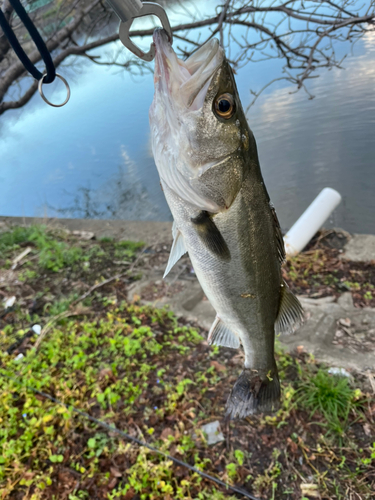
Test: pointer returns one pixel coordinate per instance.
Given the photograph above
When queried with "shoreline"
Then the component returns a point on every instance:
(359, 248)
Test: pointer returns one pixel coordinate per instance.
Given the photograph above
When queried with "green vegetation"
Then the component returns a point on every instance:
(330, 395)
(320, 271)
(141, 370)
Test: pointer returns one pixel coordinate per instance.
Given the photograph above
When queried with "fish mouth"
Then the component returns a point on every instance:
(185, 81)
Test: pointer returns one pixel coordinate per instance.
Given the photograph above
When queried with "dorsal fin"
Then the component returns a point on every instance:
(210, 235)
(220, 334)
(278, 235)
(290, 314)
(178, 249)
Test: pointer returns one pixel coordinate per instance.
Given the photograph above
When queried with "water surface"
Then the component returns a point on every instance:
(93, 159)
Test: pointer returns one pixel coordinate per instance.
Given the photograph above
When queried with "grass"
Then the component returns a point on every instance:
(330, 395)
(153, 376)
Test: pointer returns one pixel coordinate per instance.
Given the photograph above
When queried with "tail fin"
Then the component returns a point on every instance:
(253, 394)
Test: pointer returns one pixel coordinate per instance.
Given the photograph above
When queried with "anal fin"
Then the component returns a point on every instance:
(220, 334)
(290, 314)
(177, 251)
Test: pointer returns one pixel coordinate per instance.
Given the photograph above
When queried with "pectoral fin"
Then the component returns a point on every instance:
(219, 334)
(211, 236)
(290, 313)
(177, 251)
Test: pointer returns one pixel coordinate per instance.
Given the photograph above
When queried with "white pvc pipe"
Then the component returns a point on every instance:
(311, 221)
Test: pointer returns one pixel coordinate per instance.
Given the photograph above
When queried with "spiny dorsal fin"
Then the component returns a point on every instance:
(177, 251)
(290, 314)
(210, 235)
(278, 235)
(219, 334)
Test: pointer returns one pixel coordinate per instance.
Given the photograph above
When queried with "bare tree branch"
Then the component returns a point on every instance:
(303, 34)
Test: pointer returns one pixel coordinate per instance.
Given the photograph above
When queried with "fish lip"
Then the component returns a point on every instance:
(189, 76)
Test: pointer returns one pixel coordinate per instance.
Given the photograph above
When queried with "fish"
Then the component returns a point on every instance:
(208, 164)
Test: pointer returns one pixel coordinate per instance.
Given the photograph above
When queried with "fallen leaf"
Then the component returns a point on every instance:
(166, 432)
(310, 489)
(129, 494)
(218, 366)
(367, 429)
(115, 472)
(112, 483)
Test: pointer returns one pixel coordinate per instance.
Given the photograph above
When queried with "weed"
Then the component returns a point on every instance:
(331, 395)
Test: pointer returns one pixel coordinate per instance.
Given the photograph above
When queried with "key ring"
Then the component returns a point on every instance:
(127, 11)
(40, 88)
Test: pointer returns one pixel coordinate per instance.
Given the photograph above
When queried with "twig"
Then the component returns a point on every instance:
(95, 287)
(20, 257)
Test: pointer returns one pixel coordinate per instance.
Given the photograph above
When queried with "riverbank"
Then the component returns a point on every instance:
(334, 278)
(75, 327)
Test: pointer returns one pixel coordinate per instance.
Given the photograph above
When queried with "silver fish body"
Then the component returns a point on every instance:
(209, 169)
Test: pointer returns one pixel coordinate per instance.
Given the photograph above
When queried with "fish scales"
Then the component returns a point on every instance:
(208, 164)
(248, 238)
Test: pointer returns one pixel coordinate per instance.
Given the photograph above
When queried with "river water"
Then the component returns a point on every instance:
(93, 159)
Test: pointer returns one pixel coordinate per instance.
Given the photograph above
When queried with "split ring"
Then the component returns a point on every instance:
(40, 85)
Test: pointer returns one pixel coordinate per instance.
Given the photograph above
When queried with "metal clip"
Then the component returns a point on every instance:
(127, 11)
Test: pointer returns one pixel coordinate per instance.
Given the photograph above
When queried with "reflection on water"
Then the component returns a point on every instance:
(124, 195)
(92, 158)
(306, 145)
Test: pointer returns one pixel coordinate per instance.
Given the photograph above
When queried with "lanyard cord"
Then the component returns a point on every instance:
(38, 40)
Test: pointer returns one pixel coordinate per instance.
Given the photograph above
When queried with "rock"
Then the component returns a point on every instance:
(345, 322)
(316, 302)
(361, 248)
(335, 238)
(212, 430)
(84, 235)
(346, 301)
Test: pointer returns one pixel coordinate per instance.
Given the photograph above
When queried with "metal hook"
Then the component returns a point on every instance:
(127, 11)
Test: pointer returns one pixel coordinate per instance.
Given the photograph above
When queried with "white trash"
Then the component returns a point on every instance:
(340, 372)
(212, 429)
(37, 329)
(9, 302)
(311, 221)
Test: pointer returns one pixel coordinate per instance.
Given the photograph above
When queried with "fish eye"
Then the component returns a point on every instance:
(224, 106)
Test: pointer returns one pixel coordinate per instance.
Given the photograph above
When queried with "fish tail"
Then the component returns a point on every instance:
(253, 393)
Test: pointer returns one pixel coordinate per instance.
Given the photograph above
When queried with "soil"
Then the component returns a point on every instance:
(290, 455)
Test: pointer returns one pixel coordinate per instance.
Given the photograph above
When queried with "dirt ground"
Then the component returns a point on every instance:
(67, 330)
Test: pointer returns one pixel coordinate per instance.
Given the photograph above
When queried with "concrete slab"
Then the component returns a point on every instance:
(322, 334)
(361, 248)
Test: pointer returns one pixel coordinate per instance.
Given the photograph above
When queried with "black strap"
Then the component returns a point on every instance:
(38, 40)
